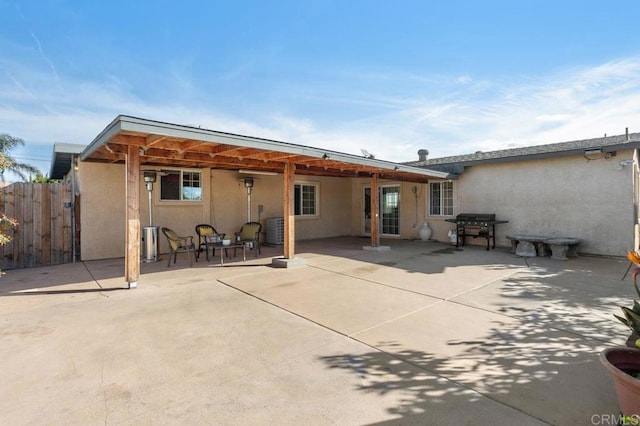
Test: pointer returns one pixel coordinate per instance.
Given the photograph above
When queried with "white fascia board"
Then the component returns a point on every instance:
(138, 125)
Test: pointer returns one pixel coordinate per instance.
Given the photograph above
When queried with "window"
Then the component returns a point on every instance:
(177, 185)
(305, 203)
(441, 198)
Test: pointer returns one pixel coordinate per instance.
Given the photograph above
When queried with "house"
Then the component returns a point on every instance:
(587, 189)
(202, 176)
(582, 189)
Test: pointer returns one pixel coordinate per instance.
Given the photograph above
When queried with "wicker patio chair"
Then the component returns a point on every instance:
(249, 234)
(205, 232)
(178, 243)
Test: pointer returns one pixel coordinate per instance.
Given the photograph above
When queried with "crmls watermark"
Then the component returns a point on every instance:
(615, 420)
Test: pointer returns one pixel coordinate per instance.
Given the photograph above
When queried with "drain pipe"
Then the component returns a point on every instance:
(74, 165)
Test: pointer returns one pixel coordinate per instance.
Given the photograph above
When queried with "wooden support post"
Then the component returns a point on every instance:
(132, 255)
(288, 209)
(375, 211)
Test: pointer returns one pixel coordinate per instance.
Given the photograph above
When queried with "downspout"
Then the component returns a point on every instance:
(74, 163)
(636, 196)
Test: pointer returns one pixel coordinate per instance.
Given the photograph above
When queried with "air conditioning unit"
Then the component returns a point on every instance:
(275, 230)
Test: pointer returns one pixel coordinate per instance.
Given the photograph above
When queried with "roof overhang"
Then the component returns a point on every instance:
(606, 147)
(62, 157)
(172, 145)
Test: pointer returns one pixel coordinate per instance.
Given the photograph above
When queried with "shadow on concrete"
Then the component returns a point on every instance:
(576, 302)
(522, 376)
(77, 291)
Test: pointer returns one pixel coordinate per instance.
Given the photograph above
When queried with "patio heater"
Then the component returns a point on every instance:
(150, 242)
(248, 183)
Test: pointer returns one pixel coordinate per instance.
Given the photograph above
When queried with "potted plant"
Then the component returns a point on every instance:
(624, 363)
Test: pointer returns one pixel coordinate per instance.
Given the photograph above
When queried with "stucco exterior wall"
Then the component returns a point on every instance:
(567, 196)
(224, 206)
(102, 210)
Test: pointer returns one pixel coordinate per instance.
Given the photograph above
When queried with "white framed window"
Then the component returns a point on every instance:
(305, 199)
(441, 198)
(181, 185)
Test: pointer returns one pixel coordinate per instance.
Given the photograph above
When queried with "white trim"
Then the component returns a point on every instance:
(316, 185)
(388, 185)
(181, 200)
(453, 199)
(123, 123)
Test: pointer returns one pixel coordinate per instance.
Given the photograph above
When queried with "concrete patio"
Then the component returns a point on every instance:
(421, 334)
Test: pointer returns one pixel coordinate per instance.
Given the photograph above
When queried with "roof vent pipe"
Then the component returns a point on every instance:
(422, 154)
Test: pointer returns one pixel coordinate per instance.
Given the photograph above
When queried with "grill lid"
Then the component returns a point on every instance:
(475, 217)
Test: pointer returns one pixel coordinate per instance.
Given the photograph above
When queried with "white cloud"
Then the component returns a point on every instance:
(446, 115)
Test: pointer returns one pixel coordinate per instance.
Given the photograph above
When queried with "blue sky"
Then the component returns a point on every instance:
(389, 77)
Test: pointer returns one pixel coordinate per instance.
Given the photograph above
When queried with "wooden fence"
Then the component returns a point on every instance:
(43, 236)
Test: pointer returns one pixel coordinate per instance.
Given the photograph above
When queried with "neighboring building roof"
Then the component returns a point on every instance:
(167, 144)
(63, 154)
(456, 163)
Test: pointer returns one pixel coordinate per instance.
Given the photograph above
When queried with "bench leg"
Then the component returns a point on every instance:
(573, 250)
(525, 249)
(540, 249)
(559, 251)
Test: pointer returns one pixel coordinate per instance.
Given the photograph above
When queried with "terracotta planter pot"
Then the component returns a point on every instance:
(617, 361)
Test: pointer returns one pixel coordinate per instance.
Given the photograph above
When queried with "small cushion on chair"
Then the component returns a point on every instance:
(248, 231)
(206, 231)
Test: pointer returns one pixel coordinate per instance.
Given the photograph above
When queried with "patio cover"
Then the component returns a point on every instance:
(140, 142)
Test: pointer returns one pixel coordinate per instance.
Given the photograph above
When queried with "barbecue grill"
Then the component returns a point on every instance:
(476, 225)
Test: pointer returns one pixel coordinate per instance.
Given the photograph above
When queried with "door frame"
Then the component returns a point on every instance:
(365, 220)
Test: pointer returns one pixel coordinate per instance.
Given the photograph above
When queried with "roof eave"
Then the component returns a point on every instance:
(124, 123)
(61, 158)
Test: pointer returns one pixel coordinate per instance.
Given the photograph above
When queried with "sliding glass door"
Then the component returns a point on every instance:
(389, 214)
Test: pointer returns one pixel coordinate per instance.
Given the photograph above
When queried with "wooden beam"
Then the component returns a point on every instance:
(132, 255)
(375, 211)
(288, 209)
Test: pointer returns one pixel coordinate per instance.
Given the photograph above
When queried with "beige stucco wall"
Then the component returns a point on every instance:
(102, 210)
(224, 205)
(568, 196)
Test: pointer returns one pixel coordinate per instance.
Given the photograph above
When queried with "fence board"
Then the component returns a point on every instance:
(36, 209)
(45, 219)
(66, 233)
(43, 236)
(27, 228)
(56, 225)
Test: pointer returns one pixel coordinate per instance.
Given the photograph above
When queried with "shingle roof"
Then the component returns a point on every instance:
(457, 162)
